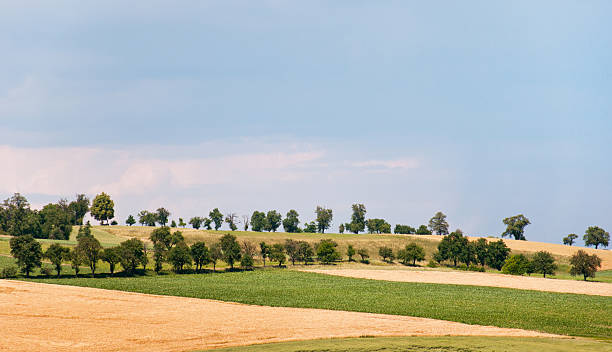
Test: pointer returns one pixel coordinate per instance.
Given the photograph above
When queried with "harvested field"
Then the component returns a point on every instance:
(104, 320)
(476, 279)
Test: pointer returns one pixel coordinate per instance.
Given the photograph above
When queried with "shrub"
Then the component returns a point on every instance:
(363, 253)
(246, 261)
(8, 272)
(327, 252)
(432, 264)
(462, 266)
(517, 264)
(45, 271)
(386, 254)
(411, 254)
(404, 229)
(473, 267)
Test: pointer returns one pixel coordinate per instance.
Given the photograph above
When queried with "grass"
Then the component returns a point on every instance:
(413, 344)
(569, 314)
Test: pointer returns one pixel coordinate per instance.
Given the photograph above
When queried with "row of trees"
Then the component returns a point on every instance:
(593, 236)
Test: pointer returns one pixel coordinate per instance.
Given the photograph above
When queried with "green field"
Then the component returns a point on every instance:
(568, 314)
(431, 344)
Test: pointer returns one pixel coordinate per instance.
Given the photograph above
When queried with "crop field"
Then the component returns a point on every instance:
(556, 313)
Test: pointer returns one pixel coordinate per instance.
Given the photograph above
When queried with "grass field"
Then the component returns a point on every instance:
(568, 314)
(446, 344)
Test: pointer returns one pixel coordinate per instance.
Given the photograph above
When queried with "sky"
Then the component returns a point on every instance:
(479, 109)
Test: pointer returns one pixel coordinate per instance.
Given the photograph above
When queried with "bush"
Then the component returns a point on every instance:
(246, 261)
(8, 272)
(432, 264)
(46, 271)
(386, 254)
(473, 267)
(517, 264)
(462, 267)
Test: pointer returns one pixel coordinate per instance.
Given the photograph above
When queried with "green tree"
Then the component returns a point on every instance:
(584, 264)
(596, 236)
(438, 224)
(258, 221)
(231, 249)
(28, 253)
(247, 261)
(200, 255)
(17, 211)
(217, 217)
(481, 251)
(245, 222)
(453, 246)
(273, 220)
(363, 253)
(357, 218)
(404, 229)
(264, 251)
(517, 264)
(292, 249)
(179, 256)
(570, 239)
(291, 221)
(132, 254)
(378, 226)
(423, 230)
(305, 252)
(386, 253)
(230, 219)
(544, 263)
(206, 222)
(56, 254)
(324, 218)
(350, 252)
(162, 215)
(412, 253)
(196, 222)
(341, 229)
(515, 227)
(173, 224)
(216, 254)
(162, 236)
(130, 220)
(327, 251)
(497, 252)
(76, 260)
(112, 256)
(277, 254)
(79, 208)
(103, 208)
(90, 248)
(181, 223)
(310, 227)
(56, 222)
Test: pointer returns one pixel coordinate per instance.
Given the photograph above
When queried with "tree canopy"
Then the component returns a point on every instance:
(103, 208)
(438, 224)
(596, 236)
(515, 227)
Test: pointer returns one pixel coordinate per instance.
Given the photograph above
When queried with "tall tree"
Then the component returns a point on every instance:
(324, 218)
(162, 215)
(497, 252)
(132, 254)
(56, 223)
(200, 255)
(103, 208)
(56, 254)
(357, 223)
(217, 217)
(196, 222)
(90, 248)
(584, 264)
(264, 250)
(544, 263)
(291, 221)
(181, 223)
(596, 236)
(453, 246)
(277, 254)
(292, 249)
(79, 208)
(438, 224)
(27, 251)
(515, 227)
(17, 210)
(130, 220)
(258, 221)
(179, 256)
(216, 254)
(570, 239)
(112, 257)
(231, 219)
(245, 222)
(273, 220)
(481, 248)
(231, 249)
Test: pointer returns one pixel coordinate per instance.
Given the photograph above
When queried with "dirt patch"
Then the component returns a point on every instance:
(477, 279)
(66, 318)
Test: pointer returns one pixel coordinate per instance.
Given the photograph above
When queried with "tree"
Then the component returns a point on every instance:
(231, 220)
(89, 247)
(112, 257)
(231, 249)
(103, 208)
(200, 255)
(291, 221)
(76, 259)
(481, 251)
(327, 251)
(162, 215)
(423, 230)
(341, 228)
(517, 264)
(310, 227)
(206, 222)
(162, 236)
(79, 208)
(292, 249)
(350, 252)
(570, 239)
(196, 222)
(386, 253)
(179, 256)
(258, 221)
(277, 254)
(357, 218)
(378, 226)
(130, 220)
(249, 248)
(273, 220)
(438, 224)
(159, 256)
(28, 253)
(55, 222)
(324, 218)
(56, 254)
(544, 263)
(404, 229)
(245, 222)
(584, 264)
(516, 227)
(246, 261)
(264, 250)
(596, 236)
(412, 253)
(216, 254)
(217, 217)
(84, 231)
(497, 252)
(452, 246)
(173, 224)
(16, 212)
(132, 254)
(305, 252)
(363, 253)
(181, 223)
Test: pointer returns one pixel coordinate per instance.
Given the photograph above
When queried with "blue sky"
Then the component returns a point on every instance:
(480, 109)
